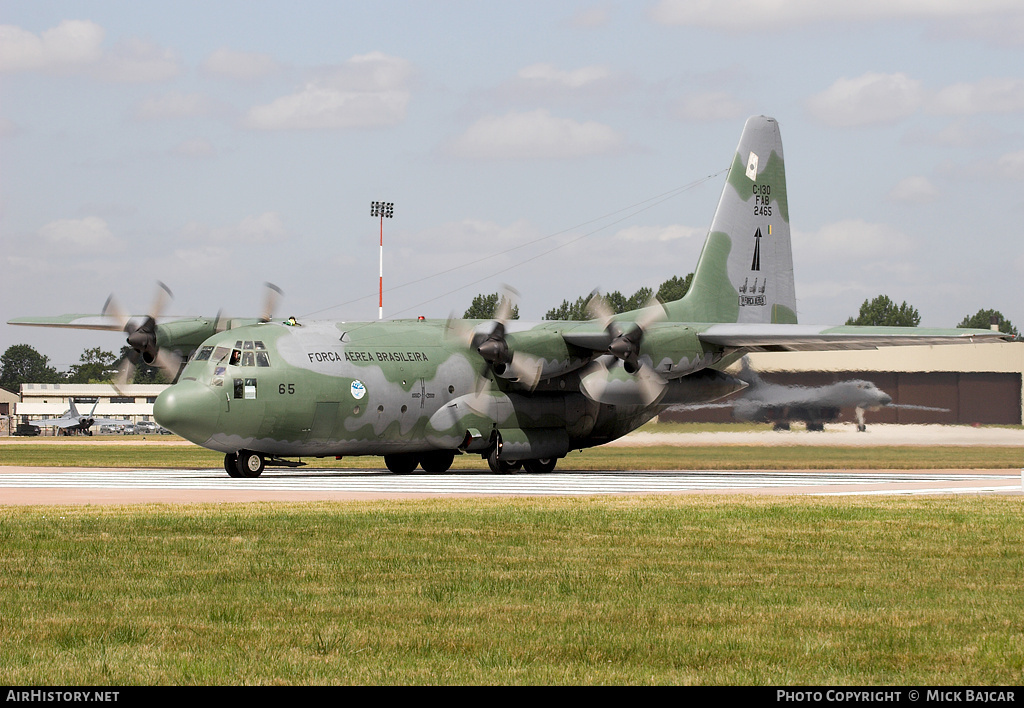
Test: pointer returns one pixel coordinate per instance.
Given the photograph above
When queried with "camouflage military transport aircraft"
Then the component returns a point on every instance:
(420, 392)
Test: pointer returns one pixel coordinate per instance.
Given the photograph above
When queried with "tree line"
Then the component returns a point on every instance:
(21, 363)
(880, 311)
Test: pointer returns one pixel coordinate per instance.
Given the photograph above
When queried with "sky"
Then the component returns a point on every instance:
(551, 147)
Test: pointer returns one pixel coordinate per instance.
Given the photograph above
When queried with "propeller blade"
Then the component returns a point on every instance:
(599, 309)
(169, 362)
(527, 369)
(125, 374)
(113, 310)
(163, 296)
(273, 295)
(605, 384)
(506, 303)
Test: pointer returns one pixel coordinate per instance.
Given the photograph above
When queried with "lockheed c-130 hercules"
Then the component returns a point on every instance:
(521, 395)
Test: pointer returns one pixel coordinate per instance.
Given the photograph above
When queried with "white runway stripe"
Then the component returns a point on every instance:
(556, 483)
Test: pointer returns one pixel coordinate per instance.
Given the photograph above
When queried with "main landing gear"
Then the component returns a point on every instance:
(433, 462)
(499, 466)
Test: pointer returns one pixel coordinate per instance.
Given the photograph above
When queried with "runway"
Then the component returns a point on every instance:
(28, 485)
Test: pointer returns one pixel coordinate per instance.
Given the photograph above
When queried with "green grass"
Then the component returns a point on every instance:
(659, 590)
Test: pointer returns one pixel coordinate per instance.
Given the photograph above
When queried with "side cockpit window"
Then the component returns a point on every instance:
(203, 354)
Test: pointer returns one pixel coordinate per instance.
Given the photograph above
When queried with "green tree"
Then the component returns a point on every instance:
(485, 307)
(983, 320)
(622, 303)
(23, 364)
(674, 288)
(883, 312)
(570, 310)
(94, 366)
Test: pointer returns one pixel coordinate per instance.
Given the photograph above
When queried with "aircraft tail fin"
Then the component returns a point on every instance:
(745, 270)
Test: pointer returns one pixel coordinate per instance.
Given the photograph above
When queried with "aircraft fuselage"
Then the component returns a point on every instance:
(335, 388)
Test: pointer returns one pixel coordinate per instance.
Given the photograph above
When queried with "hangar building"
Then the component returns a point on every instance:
(977, 383)
(132, 403)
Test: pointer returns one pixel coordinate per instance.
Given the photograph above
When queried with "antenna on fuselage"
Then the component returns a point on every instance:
(382, 209)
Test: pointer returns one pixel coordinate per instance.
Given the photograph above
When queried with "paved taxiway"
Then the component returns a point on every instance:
(20, 486)
(40, 485)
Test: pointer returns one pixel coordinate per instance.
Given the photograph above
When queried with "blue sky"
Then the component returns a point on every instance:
(556, 147)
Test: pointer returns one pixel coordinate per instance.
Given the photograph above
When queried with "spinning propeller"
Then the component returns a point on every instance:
(633, 383)
(270, 299)
(490, 342)
(142, 338)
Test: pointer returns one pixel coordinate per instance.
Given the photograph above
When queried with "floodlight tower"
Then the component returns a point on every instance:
(382, 209)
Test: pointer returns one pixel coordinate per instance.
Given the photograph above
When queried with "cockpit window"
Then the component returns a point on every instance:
(246, 353)
(203, 354)
(219, 353)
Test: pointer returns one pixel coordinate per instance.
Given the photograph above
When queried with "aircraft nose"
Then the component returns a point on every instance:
(886, 399)
(189, 409)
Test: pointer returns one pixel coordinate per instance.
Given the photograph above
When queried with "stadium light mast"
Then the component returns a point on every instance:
(382, 209)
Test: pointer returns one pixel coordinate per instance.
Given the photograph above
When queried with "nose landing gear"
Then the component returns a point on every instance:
(244, 463)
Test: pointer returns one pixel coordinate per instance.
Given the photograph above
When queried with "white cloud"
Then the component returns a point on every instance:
(591, 17)
(1011, 165)
(991, 95)
(535, 134)
(548, 75)
(264, 228)
(759, 14)
(79, 235)
(852, 239)
(367, 91)
(914, 190)
(76, 46)
(138, 61)
(875, 99)
(71, 44)
(240, 66)
(870, 99)
(958, 134)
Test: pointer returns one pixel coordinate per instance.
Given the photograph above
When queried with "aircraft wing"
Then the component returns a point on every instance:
(789, 337)
(56, 423)
(78, 321)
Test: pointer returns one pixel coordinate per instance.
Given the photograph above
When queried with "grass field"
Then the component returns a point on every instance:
(659, 590)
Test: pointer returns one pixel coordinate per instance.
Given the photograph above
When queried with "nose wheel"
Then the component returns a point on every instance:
(244, 463)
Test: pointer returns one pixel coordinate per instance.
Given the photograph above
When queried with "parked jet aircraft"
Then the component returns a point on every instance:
(73, 420)
(420, 392)
(813, 405)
